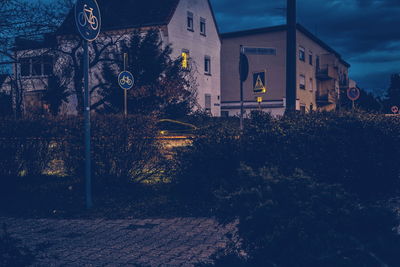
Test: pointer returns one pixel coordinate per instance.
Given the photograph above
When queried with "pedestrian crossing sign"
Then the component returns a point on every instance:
(259, 83)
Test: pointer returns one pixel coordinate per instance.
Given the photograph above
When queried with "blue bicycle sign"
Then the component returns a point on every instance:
(87, 18)
(126, 80)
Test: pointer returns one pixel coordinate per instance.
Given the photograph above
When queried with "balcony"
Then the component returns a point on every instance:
(326, 97)
(326, 72)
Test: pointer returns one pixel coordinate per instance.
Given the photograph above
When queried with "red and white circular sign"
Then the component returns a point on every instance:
(395, 109)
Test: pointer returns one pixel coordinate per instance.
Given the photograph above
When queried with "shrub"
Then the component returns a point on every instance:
(207, 165)
(359, 151)
(121, 147)
(297, 221)
(12, 252)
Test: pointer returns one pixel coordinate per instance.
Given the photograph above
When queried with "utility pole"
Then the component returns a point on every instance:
(291, 56)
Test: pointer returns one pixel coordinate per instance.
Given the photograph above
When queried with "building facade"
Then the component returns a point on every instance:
(321, 72)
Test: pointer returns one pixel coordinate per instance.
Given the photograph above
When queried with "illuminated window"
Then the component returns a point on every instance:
(207, 65)
(302, 82)
(203, 26)
(190, 21)
(185, 59)
(302, 54)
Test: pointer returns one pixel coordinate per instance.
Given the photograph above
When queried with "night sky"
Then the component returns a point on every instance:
(365, 32)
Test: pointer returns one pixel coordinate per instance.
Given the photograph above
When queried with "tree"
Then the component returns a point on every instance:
(161, 87)
(393, 93)
(56, 94)
(367, 101)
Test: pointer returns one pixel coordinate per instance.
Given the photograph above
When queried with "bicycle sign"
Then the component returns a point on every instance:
(87, 18)
(126, 80)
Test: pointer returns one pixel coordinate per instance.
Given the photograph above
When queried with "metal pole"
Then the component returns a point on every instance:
(88, 177)
(291, 58)
(241, 95)
(125, 90)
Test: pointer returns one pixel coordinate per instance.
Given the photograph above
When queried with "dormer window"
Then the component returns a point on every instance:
(190, 21)
(203, 26)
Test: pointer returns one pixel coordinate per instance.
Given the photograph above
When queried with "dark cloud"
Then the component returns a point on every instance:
(365, 32)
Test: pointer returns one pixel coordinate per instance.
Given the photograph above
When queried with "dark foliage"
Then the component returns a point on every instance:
(208, 164)
(393, 93)
(315, 223)
(122, 148)
(55, 95)
(5, 104)
(367, 102)
(12, 252)
(358, 151)
(161, 87)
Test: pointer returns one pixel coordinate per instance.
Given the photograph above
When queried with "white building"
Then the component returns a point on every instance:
(188, 26)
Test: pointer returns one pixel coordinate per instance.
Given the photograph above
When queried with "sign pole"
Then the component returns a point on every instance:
(241, 95)
(125, 90)
(88, 177)
(88, 23)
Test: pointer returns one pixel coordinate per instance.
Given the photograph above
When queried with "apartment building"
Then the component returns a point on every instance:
(321, 72)
(189, 26)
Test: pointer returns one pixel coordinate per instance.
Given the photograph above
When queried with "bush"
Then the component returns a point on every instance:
(209, 164)
(297, 221)
(123, 148)
(12, 252)
(359, 151)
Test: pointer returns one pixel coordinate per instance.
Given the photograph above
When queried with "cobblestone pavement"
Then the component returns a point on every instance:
(148, 242)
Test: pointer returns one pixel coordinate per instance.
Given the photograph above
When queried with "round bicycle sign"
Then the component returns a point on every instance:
(353, 93)
(87, 18)
(126, 80)
(395, 109)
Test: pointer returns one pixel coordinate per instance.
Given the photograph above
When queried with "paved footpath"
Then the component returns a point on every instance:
(129, 242)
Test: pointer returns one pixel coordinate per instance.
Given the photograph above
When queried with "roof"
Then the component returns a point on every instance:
(23, 43)
(123, 14)
(284, 28)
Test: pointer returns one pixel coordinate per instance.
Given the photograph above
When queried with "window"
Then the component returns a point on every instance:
(36, 66)
(303, 109)
(203, 26)
(47, 65)
(311, 85)
(25, 67)
(302, 82)
(310, 58)
(185, 59)
(207, 65)
(302, 54)
(190, 21)
(207, 103)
